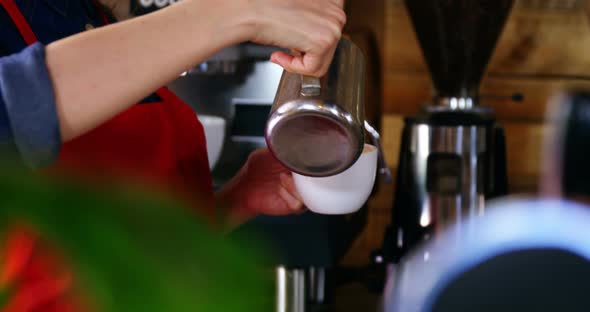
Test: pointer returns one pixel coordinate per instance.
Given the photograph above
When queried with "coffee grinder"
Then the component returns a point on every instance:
(452, 155)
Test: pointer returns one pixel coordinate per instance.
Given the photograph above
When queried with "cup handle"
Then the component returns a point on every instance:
(384, 170)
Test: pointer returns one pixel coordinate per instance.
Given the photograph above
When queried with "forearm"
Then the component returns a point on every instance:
(100, 73)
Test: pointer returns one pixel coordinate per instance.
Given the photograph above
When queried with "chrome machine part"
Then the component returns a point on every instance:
(317, 285)
(448, 165)
(290, 290)
(454, 103)
(299, 288)
(317, 129)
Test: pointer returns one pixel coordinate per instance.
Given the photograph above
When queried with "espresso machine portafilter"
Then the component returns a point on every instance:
(452, 157)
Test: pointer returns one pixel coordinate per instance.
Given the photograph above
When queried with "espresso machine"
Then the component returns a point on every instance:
(453, 155)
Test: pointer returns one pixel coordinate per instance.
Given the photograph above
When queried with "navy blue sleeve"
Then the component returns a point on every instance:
(28, 115)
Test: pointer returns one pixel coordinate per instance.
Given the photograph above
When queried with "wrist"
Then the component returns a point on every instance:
(244, 20)
(231, 206)
(225, 22)
(231, 199)
(236, 20)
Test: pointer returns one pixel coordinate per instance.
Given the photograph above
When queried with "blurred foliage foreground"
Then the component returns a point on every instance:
(131, 251)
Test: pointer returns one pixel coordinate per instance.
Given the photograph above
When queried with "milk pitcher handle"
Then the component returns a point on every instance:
(310, 86)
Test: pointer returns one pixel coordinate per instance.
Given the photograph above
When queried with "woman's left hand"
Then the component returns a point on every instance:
(262, 186)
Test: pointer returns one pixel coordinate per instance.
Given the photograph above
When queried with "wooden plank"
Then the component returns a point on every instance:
(537, 93)
(367, 16)
(402, 51)
(544, 43)
(524, 147)
(366, 41)
(405, 93)
(391, 129)
(534, 42)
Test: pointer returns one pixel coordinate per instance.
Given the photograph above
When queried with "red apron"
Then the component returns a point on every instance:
(162, 143)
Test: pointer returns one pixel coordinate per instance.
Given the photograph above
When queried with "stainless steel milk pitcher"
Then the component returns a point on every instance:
(316, 125)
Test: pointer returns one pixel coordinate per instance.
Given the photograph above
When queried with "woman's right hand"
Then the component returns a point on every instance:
(310, 27)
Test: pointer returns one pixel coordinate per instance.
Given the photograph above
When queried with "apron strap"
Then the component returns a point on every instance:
(105, 20)
(165, 94)
(19, 21)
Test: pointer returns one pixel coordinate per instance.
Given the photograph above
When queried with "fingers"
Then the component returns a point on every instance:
(339, 3)
(318, 65)
(293, 203)
(289, 193)
(316, 36)
(340, 18)
(289, 62)
(288, 183)
(308, 64)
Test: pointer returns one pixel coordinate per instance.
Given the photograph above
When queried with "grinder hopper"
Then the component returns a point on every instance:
(457, 38)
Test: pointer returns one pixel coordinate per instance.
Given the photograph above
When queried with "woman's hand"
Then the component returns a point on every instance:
(262, 186)
(310, 27)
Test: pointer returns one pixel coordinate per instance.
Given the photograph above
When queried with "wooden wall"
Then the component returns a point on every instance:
(545, 48)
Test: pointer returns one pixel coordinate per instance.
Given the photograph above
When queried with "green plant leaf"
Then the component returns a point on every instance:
(136, 251)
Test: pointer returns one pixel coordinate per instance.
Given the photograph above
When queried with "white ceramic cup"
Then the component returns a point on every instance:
(342, 193)
(214, 134)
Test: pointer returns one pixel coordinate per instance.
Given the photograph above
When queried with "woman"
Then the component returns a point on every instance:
(70, 88)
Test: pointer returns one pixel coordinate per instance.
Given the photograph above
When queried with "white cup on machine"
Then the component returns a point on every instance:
(214, 128)
(342, 193)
